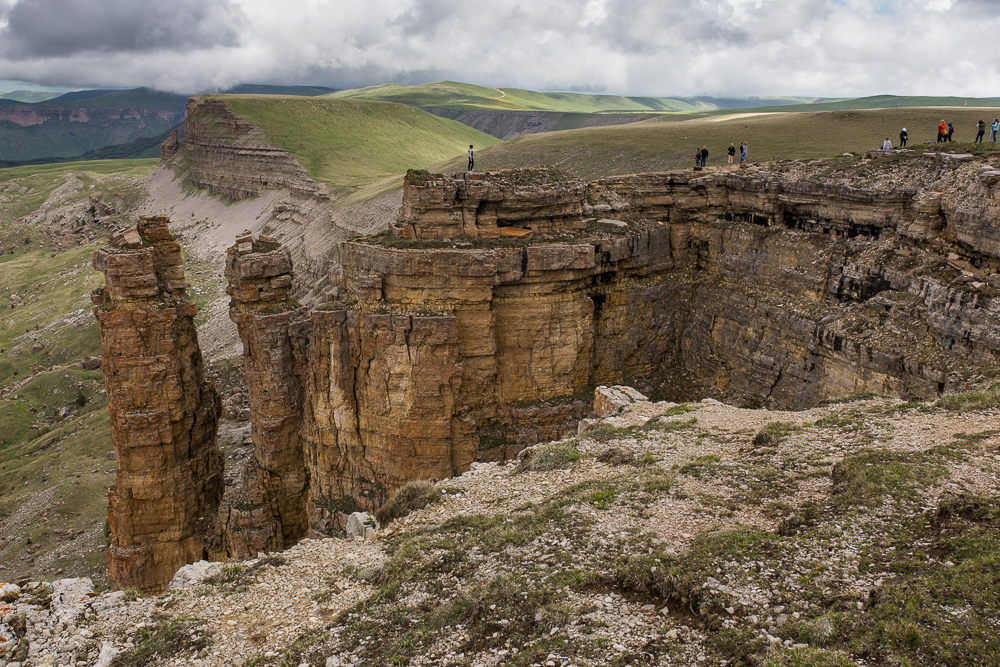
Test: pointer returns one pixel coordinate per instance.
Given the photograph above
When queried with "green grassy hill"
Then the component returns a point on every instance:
(670, 143)
(354, 143)
(30, 96)
(54, 471)
(463, 96)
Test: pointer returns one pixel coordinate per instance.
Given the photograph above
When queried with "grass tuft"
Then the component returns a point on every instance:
(414, 496)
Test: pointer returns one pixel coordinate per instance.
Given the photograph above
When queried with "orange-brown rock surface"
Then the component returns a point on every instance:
(450, 342)
(268, 511)
(163, 411)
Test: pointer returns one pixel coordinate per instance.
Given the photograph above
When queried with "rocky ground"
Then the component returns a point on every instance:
(864, 532)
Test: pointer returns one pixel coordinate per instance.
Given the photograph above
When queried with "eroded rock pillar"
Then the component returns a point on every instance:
(268, 512)
(164, 414)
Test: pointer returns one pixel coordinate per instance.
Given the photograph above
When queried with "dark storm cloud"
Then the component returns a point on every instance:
(638, 47)
(55, 28)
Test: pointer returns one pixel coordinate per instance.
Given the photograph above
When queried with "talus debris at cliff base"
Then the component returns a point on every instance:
(482, 321)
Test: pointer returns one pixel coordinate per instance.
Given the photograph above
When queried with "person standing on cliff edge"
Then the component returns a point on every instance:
(902, 138)
(472, 159)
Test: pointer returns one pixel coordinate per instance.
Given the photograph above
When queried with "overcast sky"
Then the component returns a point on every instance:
(833, 48)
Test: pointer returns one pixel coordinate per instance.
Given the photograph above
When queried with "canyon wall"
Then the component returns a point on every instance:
(483, 322)
(163, 412)
(268, 511)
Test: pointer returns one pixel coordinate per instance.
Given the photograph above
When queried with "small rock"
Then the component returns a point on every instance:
(360, 524)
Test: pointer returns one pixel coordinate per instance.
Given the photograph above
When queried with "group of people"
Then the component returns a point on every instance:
(701, 155)
(945, 129)
(981, 130)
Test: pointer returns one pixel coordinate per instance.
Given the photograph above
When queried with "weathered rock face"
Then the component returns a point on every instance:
(163, 411)
(268, 511)
(786, 288)
(232, 157)
(488, 205)
(774, 288)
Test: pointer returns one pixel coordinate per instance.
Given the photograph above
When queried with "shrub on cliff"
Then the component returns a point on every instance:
(414, 496)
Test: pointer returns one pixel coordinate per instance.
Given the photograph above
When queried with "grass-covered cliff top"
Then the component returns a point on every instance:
(352, 143)
(670, 142)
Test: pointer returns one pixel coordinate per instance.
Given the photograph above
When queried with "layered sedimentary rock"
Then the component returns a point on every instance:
(163, 411)
(758, 287)
(488, 205)
(453, 342)
(231, 156)
(268, 511)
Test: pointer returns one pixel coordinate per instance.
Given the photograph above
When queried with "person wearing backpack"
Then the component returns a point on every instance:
(994, 128)
(951, 128)
(902, 138)
(980, 131)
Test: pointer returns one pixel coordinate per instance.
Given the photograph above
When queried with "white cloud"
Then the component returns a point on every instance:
(669, 47)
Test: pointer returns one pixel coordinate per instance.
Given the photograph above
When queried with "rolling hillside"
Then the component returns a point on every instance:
(670, 143)
(353, 143)
(99, 124)
(464, 96)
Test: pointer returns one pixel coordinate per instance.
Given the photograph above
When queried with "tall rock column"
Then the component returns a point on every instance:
(269, 511)
(164, 414)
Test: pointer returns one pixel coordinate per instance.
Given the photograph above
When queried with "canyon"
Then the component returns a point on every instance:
(482, 319)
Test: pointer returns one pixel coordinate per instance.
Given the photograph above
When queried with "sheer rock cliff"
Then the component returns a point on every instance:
(484, 319)
(163, 412)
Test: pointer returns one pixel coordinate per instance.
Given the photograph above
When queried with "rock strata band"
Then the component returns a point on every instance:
(474, 352)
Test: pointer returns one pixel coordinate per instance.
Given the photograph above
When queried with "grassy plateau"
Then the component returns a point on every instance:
(353, 143)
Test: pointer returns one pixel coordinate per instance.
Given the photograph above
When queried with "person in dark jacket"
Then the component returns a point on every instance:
(980, 131)
(902, 138)
(704, 156)
(951, 129)
(732, 153)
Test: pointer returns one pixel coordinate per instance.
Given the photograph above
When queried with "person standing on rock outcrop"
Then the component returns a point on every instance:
(995, 127)
(902, 138)
(704, 156)
(472, 159)
(980, 131)
(951, 130)
(942, 128)
(732, 153)
(743, 153)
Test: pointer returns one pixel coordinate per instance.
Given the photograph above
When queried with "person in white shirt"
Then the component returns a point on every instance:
(887, 145)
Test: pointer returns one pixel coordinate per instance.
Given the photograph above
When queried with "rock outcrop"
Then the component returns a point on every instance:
(453, 342)
(268, 511)
(231, 156)
(163, 411)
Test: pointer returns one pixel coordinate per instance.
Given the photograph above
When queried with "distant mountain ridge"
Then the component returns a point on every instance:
(102, 124)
